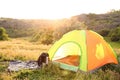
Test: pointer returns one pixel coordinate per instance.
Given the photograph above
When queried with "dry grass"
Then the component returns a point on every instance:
(117, 50)
(21, 49)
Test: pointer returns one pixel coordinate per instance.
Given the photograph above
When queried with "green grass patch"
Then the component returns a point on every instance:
(50, 72)
(53, 72)
(3, 66)
(113, 44)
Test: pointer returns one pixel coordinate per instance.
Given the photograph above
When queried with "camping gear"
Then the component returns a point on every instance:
(16, 65)
(82, 50)
(19, 65)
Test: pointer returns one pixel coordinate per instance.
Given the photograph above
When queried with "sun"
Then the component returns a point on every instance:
(37, 9)
(53, 9)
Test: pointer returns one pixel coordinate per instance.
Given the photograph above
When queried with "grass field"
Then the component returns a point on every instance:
(22, 49)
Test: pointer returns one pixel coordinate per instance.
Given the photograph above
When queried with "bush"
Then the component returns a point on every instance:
(114, 37)
(48, 39)
(115, 34)
(44, 36)
(3, 34)
(104, 32)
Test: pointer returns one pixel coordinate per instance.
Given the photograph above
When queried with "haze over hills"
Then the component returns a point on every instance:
(27, 27)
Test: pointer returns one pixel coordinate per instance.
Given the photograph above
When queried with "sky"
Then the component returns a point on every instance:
(54, 9)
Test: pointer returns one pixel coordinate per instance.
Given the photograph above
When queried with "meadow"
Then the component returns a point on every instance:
(27, 39)
(23, 49)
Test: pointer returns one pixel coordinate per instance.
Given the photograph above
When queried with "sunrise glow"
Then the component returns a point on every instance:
(54, 9)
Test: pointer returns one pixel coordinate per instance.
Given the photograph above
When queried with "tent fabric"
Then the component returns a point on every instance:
(84, 49)
(71, 60)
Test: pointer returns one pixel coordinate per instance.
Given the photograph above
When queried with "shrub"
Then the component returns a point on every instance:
(48, 39)
(44, 36)
(115, 34)
(114, 37)
(104, 32)
(3, 34)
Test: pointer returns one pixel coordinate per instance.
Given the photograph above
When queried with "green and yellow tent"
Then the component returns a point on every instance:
(82, 50)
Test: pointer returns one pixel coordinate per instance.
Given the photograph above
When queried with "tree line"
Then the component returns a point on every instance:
(48, 31)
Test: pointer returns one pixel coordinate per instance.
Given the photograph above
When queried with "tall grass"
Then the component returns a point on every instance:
(21, 49)
(53, 72)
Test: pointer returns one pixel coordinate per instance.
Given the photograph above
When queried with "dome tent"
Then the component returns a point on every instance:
(82, 50)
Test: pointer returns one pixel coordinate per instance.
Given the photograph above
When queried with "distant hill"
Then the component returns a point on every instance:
(22, 28)
(96, 22)
(100, 21)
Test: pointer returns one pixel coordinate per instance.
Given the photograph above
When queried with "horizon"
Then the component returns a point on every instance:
(54, 18)
(54, 9)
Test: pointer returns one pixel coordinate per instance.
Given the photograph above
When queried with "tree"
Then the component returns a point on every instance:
(45, 36)
(3, 34)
